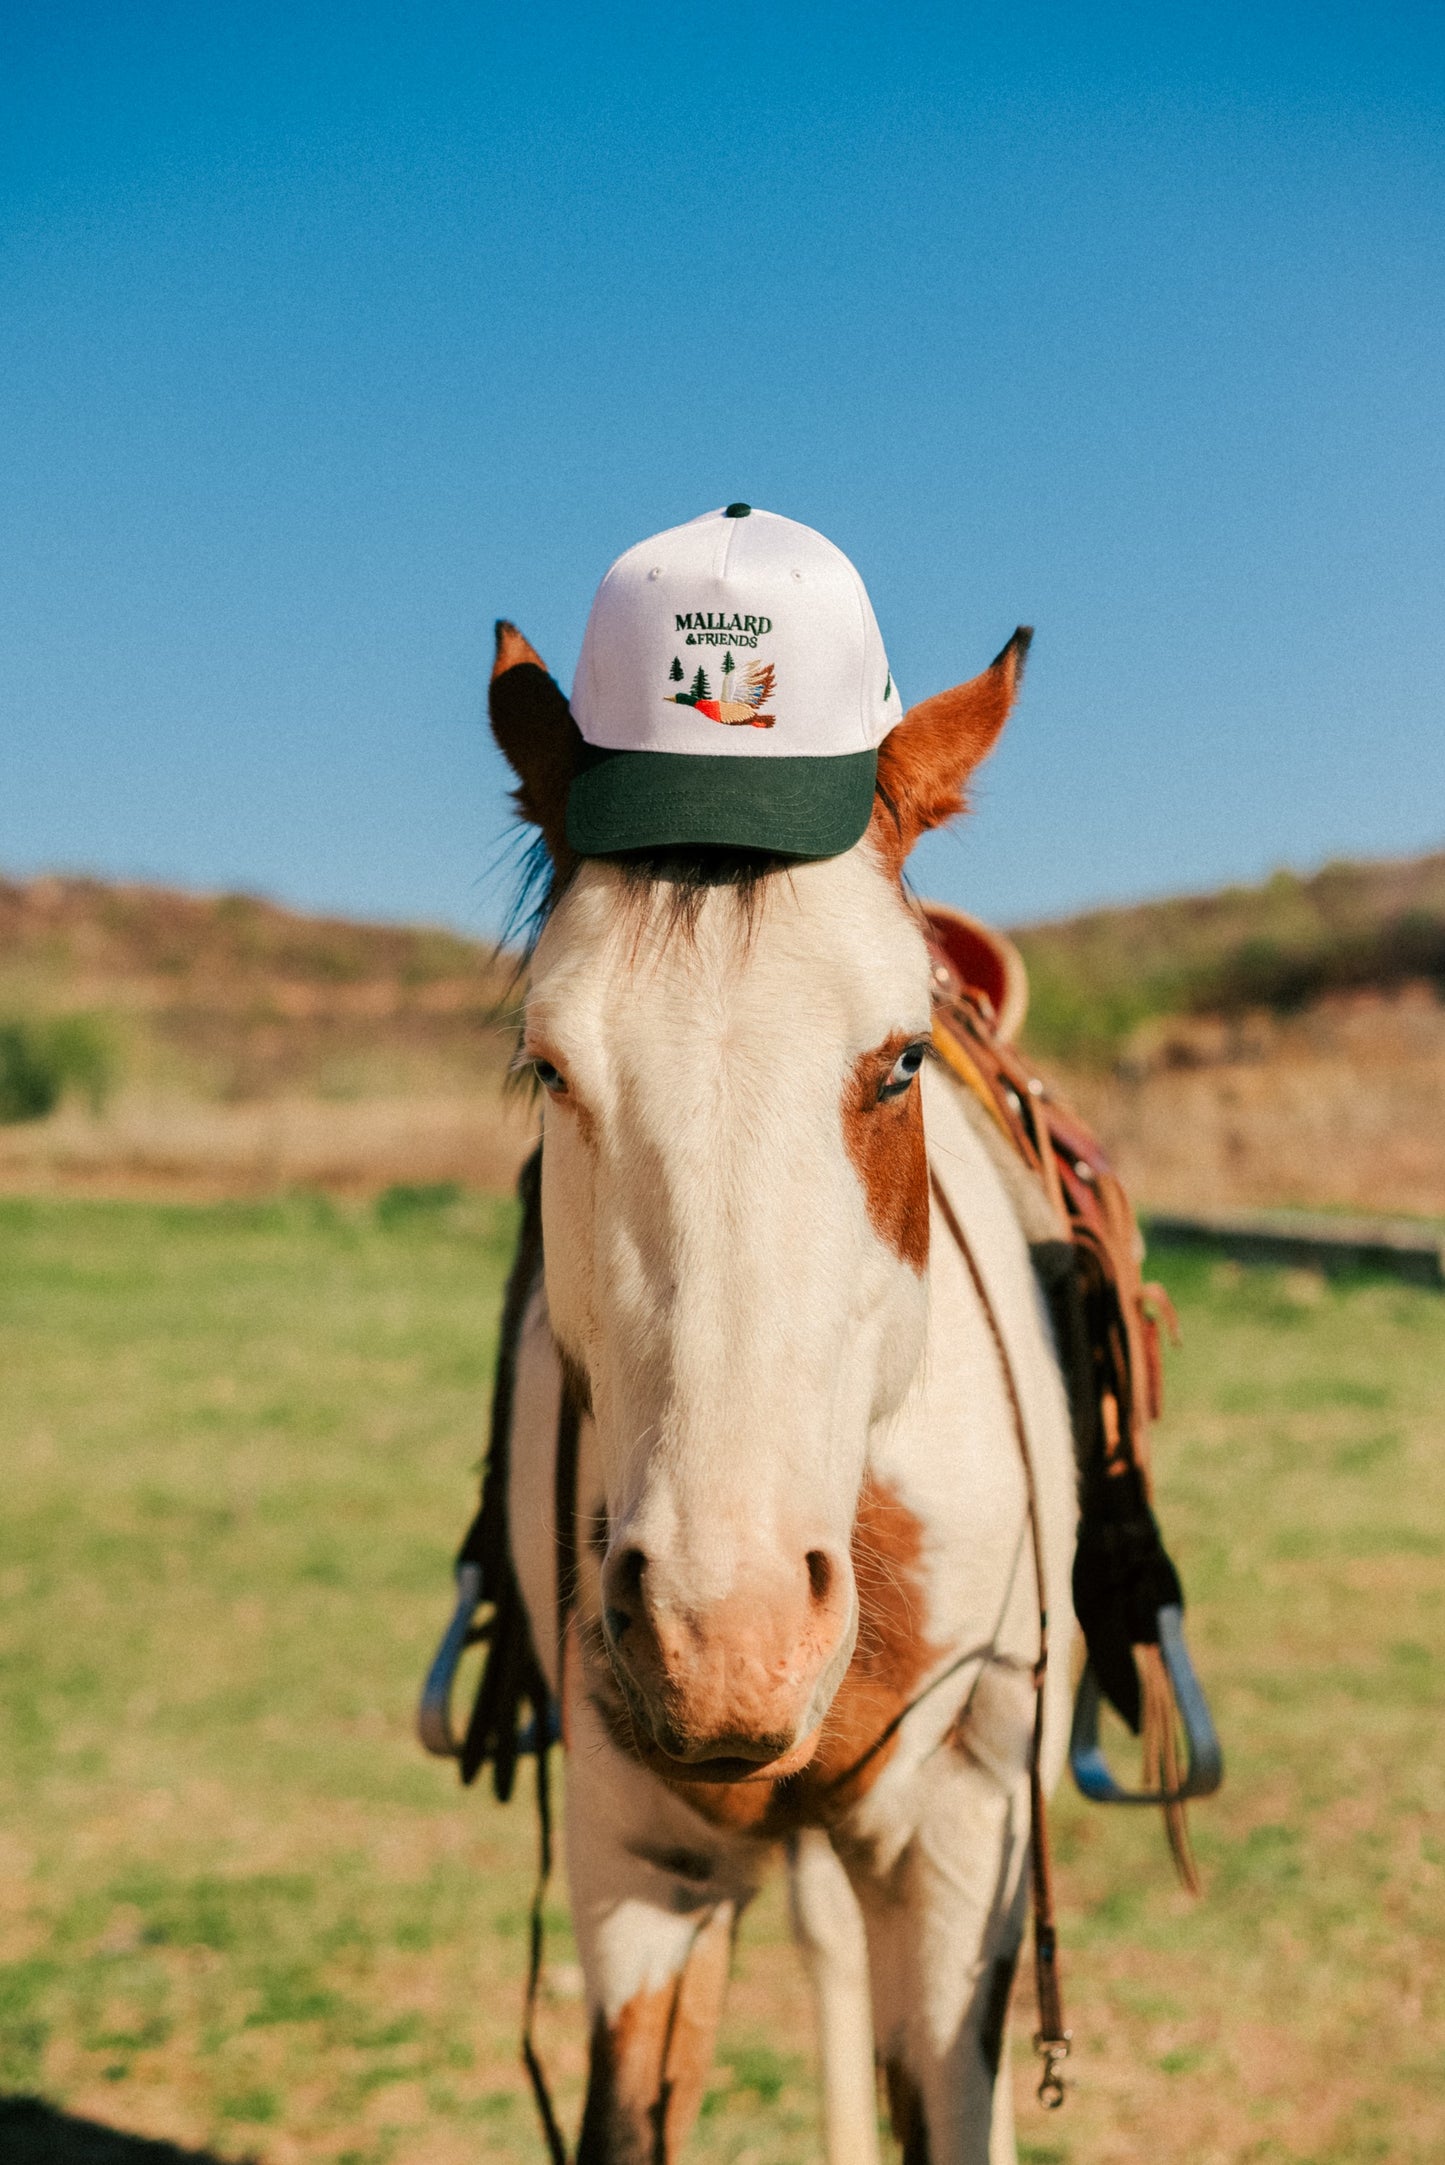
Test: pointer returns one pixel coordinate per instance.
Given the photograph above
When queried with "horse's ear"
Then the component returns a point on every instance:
(533, 724)
(924, 764)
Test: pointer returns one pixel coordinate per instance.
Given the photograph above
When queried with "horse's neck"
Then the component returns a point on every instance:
(954, 1452)
(998, 1208)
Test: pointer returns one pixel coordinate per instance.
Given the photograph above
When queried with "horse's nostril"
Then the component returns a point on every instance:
(622, 1590)
(820, 1573)
(627, 1574)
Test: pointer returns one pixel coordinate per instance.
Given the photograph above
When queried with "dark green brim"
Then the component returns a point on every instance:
(657, 800)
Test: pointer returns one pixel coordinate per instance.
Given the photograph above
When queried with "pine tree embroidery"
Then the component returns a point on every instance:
(747, 709)
(675, 672)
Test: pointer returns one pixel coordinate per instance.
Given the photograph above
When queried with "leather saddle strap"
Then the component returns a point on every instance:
(1086, 1195)
(1051, 2040)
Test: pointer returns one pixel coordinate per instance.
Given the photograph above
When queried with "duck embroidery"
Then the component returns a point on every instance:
(742, 711)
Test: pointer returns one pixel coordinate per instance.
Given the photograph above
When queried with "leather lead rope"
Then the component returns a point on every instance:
(564, 1497)
(537, 2074)
(1051, 2039)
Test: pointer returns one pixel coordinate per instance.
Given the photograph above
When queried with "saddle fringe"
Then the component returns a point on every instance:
(1163, 1766)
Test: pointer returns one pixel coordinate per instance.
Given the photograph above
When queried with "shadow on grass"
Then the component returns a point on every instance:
(34, 2133)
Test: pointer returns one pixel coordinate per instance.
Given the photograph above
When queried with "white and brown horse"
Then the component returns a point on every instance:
(807, 1614)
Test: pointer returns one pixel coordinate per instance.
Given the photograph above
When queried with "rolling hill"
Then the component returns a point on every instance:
(1283, 1043)
(249, 1047)
(1277, 948)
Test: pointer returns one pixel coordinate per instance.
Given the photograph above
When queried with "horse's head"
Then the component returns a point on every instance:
(736, 1210)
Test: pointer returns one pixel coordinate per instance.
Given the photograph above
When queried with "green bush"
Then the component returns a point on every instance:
(40, 1061)
(1279, 946)
(401, 1204)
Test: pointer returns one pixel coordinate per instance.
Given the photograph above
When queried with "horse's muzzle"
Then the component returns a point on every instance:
(734, 1685)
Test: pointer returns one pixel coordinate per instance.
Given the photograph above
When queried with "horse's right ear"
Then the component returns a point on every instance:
(533, 724)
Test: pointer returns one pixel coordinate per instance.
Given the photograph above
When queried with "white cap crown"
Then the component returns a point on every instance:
(740, 634)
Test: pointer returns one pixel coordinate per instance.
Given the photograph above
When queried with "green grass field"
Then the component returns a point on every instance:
(240, 1911)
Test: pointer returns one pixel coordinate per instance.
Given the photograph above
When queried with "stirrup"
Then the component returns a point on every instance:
(434, 1711)
(1090, 1768)
(434, 1714)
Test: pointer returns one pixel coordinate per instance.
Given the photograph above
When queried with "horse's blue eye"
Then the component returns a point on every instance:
(903, 1070)
(551, 1078)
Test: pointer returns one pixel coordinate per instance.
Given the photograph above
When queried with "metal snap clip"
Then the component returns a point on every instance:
(1053, 2051)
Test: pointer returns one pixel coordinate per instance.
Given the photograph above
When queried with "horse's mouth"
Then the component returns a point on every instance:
(634, 1730)
(727, 1767)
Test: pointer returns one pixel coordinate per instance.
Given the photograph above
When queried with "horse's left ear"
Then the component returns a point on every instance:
(924, 764)
(533, 724)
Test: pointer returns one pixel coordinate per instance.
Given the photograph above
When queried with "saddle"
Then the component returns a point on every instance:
(1086, 1254)
(1086, 1251)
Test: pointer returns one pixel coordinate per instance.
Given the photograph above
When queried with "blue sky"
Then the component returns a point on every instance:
(328, 334)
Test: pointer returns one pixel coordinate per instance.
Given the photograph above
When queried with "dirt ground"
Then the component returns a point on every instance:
(1340, 1107)
(168, 1143)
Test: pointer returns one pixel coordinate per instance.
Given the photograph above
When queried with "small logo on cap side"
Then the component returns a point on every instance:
(739, 707)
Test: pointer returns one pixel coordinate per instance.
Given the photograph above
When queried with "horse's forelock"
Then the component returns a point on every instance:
(665, 888)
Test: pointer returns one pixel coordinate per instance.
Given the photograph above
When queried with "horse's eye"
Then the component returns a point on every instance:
(900, 1076)
(551, 1078)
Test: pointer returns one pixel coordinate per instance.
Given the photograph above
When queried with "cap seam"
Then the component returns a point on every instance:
(730, 528)
(859, 596)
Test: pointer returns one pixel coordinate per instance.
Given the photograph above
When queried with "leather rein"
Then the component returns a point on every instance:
(1051, 2038)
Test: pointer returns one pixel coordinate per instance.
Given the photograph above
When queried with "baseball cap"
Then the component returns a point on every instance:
(732, 688)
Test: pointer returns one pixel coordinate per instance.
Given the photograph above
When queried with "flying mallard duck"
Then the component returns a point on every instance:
(743, 712)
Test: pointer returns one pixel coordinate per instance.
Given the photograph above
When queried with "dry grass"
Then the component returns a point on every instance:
(239, 1910)
(1343, 1106)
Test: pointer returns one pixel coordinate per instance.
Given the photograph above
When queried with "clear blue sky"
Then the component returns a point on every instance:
(330, 333)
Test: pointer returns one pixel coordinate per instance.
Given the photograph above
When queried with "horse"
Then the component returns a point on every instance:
(825, 1485)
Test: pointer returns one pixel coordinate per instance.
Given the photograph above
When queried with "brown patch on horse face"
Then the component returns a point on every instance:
(924, 764)
(650, 2064)
(905, 2111)
(884, 1139)
(859, 1734)
(533, 724)
(893, 1654)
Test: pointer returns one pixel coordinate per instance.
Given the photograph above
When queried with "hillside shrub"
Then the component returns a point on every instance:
(1288, 975)
(40, 1061)
(1281, 946)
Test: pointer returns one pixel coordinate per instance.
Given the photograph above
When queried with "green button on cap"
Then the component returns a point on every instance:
(737, 511)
